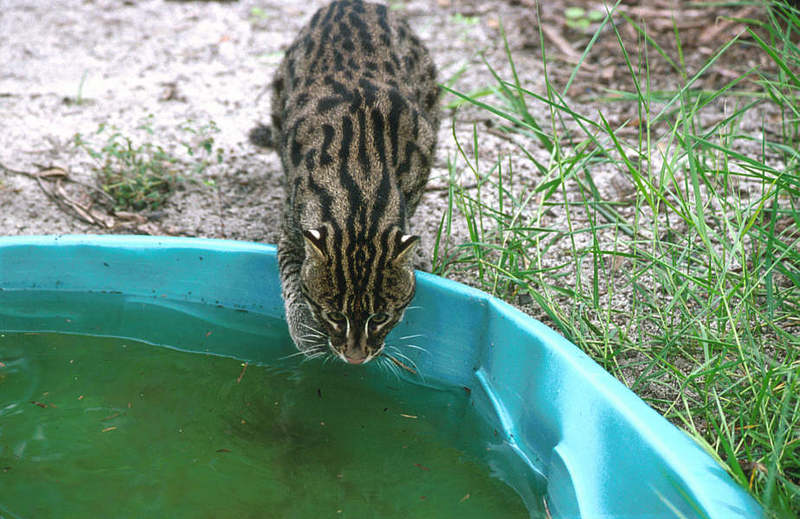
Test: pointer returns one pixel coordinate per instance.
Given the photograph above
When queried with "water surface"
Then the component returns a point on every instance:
(103, 427)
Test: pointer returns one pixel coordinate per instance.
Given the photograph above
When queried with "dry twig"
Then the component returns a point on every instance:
(400, 364)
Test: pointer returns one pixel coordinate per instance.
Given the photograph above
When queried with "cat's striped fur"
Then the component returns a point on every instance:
(354, 114)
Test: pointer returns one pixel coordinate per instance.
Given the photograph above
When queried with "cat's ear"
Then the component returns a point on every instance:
(405, 245)
(315, 242)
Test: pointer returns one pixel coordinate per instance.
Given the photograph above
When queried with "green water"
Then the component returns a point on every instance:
(97, 428)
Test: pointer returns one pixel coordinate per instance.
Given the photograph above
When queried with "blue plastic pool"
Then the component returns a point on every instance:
(601, 450)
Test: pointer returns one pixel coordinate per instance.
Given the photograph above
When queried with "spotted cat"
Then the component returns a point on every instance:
(354, 119)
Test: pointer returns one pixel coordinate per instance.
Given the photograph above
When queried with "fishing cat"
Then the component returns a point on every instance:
(354, 119)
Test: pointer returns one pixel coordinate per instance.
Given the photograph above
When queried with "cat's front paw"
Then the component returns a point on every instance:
(307, 335)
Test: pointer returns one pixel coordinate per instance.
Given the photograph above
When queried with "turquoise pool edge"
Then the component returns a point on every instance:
(603, 451)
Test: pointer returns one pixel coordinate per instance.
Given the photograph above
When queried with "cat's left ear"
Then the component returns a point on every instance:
(315, 242)
(405, 245)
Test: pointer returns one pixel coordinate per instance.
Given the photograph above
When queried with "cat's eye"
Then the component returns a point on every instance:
(336, 317)
(379, 318)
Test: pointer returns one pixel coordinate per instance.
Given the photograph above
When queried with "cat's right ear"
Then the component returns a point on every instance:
(404, 247)
(315, 242)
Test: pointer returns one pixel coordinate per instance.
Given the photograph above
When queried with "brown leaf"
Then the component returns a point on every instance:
(52, 172)
(129, 217)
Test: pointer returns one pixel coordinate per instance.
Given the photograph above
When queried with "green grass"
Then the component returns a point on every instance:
(142, 175)
(687, 287)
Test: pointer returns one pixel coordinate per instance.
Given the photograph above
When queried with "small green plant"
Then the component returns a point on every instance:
(142, 175)
(200, 147)
(136, 176)
(257, 13)
(467, 24)
(580, 19)
(460, 19)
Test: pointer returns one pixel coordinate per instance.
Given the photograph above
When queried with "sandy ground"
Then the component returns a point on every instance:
(151, 68)
(70, 67)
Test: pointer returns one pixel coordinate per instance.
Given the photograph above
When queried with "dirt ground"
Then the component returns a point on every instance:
(152, 67)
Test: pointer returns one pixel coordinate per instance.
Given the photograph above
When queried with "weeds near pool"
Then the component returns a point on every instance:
(142, 175)
(704, 246)
(580, 19)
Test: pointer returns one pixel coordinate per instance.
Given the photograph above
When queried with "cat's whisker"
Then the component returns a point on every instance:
(407, 360)
(400, 347)
(380, 363)
(395, 370)
(414, 308)
(400, 363)
(312, 352)
(397, 351)
(292, 355)
(309, 339)
(386, 364)
(415, 347)
(308, 326)
(314, 355)
(318, 335)
(410, 337)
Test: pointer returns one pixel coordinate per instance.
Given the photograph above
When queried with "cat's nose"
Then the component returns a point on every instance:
(355, 351)
(356, 355)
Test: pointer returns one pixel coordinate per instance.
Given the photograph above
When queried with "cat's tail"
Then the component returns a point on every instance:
(262, 136)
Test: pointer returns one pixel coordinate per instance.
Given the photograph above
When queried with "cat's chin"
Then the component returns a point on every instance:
(359, 359)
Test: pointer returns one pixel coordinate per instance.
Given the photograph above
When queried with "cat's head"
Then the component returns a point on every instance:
(356, 290)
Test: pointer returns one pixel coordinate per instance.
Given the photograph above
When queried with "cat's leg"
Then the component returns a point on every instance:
(308, 337)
